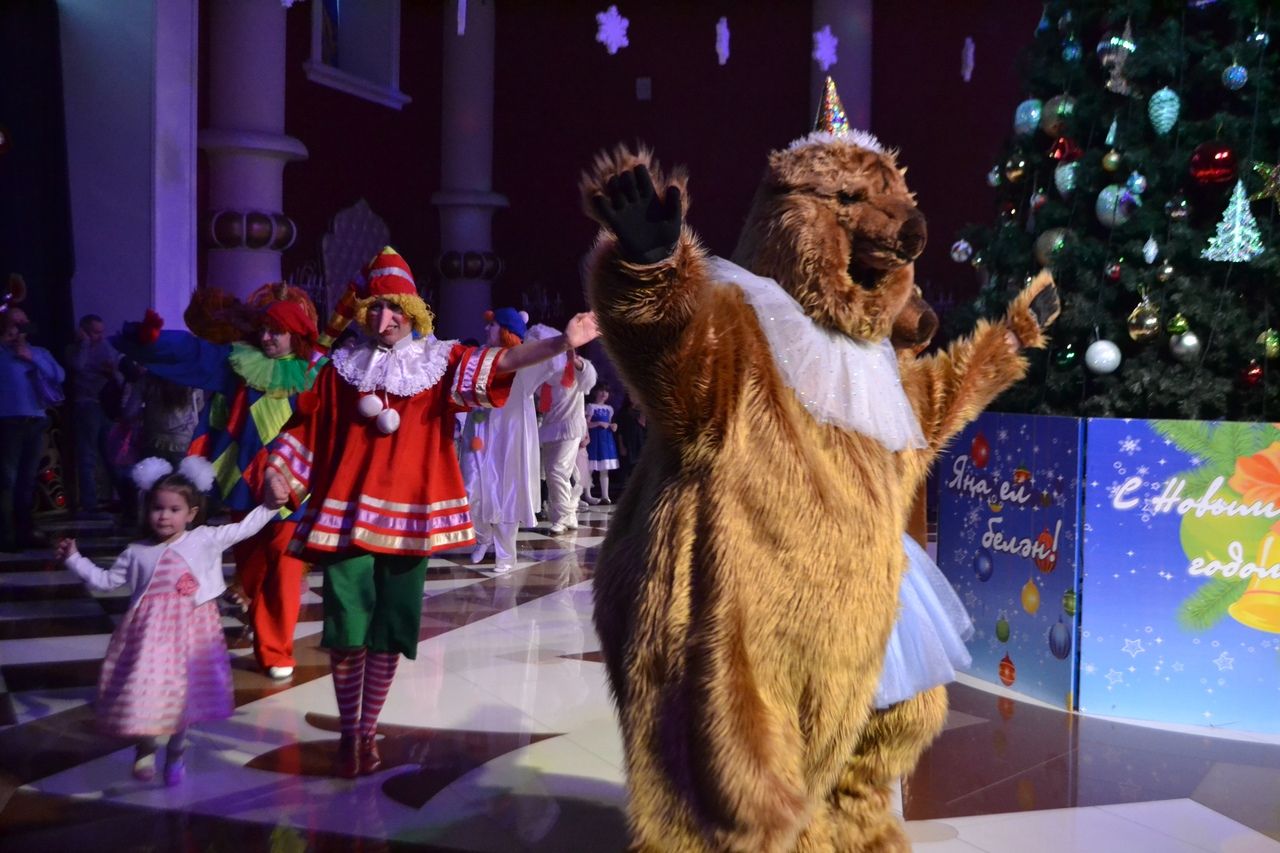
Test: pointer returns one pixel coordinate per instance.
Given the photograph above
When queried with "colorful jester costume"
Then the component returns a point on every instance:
(251, 396)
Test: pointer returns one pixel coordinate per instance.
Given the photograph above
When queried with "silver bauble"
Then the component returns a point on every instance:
(1102, 357)
(1026, 118)
(1185, 347)
(961, 251)
(1064, 177)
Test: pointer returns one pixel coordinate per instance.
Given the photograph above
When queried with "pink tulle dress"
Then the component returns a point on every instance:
(166, 665)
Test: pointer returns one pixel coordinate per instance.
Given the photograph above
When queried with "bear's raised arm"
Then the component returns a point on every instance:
(951, 388)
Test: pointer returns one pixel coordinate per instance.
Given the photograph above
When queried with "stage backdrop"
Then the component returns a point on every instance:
(1007, 540)
(1178, 624)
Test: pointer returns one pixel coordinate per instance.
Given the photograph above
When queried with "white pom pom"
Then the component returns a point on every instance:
(389, 421)
(198, 470)
(148, 471)
(369, 406)
(524, 316)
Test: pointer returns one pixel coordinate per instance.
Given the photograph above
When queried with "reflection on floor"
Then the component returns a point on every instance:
(500, 737)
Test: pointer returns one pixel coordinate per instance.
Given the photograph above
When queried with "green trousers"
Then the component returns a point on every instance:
(374, 601)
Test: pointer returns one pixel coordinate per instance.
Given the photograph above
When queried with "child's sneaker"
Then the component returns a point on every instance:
(144, 764)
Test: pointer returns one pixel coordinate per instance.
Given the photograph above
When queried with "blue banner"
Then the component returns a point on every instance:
(1008, 516)
(1181, 596)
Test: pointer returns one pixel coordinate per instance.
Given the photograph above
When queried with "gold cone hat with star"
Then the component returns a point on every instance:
(832, 124)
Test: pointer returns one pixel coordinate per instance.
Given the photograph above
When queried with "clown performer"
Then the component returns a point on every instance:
(562, 432)
(372, 443)
(500, 458)
(253, 387)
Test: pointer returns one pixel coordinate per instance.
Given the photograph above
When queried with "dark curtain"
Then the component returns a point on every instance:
(35, 206)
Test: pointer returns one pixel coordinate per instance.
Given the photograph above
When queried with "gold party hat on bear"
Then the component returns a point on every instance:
(831, 115)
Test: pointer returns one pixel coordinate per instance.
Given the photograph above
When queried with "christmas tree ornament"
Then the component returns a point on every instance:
(983, 565)
(1015, 169)
(977, 260)
(1163, 110)
(1113, 52)
(1111, 160)
(1116, 205)
(1066, 23)
(1071, 50)
(1213, 163)
(1026, 117)
(1102, 357)
(1178, 324)
(1150, 250)
(1185, 347)
(1066, 357)
(1111, 133)
(1064, 150)
(1058, 110)
(1270, 175)
(1069, 602)
(1251, 376)
(1144, 322)
(1060, 640)
(1113, 271)
(1044, 26)
(980, 451)
(1002, 629)
(1137, 183)
(1008, 672)
(1238, 239)
(1166, 271)
(1270, 342)
(961, 251)
(1049, 244)
(1008, 210)
(1064, 178)
(1039, 199)
(1234, 76)
(1030, 597)
(1258, 38)
(994, 178)
(1177, 207)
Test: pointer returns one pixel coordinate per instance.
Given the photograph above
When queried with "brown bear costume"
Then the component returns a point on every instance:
(749, 582)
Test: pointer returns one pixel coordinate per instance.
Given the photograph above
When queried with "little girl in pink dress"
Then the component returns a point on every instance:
(167, 665)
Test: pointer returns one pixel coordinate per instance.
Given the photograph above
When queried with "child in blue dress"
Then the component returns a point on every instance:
(602, 451)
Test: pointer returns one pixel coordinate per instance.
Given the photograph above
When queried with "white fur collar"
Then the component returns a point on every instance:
(410, 367)
(840, 381)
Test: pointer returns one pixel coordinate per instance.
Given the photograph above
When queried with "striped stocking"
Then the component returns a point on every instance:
(348, 671)
(379, 670)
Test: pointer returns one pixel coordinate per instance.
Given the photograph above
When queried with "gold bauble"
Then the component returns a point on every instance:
(1144, 322)
(1015, 169)
(1165, 272)
(1049, 243)
(1111, 160)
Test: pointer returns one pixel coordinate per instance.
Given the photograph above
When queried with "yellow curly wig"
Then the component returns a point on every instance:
(412, 306)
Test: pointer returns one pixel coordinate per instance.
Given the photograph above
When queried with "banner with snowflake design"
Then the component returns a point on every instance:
(1181, 594)
(1008, 516)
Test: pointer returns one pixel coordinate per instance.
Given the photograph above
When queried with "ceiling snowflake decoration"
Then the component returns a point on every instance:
(611, 29)
(722, 40)
(824, 47)
(966, 60)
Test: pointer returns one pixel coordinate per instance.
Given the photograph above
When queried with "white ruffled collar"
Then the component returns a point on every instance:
(410, 367)
(851, 384)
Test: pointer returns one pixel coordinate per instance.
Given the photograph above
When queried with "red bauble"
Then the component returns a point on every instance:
(1064, 150)
(1251, 376)
(1114, 270)
(1049, 562)
(1007, 671)
(980, 451)
(1213, 163)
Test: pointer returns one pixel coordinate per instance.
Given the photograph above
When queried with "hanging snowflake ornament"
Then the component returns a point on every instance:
(824, 47)
(611, 30)
(722, 40)
(966, 59)
(1238, 238)
(462, 17)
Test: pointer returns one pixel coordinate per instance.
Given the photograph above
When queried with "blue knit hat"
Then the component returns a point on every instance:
(515, 322)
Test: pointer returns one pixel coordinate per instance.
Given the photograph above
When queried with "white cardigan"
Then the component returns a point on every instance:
(201, 548)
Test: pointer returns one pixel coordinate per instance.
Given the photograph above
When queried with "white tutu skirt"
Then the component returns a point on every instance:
(927, 644)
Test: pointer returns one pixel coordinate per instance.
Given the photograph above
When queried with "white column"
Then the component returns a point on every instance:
(246, 145)
(850, 22)
(466, 199)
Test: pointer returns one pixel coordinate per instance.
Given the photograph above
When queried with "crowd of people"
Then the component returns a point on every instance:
(360, 449)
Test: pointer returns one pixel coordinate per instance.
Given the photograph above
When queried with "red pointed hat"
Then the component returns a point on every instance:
(388, 274)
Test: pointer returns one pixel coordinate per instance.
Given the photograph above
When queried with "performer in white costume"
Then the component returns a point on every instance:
(563, 427)
(500, 459)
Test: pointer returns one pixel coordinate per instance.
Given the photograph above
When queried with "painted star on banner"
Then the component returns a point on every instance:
(1270, 175)
(1224, 661)
(824, 47)
(1133, 648)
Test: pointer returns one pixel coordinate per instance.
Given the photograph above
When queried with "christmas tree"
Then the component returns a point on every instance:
(1143, 172)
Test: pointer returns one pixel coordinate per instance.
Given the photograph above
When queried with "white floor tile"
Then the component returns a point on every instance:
(1083, 830)
(54, 649)
(1195, 824)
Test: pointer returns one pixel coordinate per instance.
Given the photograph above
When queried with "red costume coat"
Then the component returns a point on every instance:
(388, 494)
